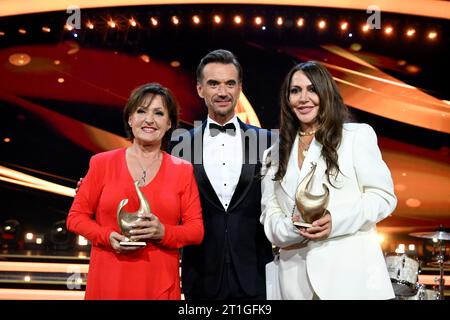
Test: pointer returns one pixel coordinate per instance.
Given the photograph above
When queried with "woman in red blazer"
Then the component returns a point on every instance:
(150, 272)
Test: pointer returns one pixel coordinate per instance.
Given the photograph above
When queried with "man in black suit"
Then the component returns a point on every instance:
(226, 153)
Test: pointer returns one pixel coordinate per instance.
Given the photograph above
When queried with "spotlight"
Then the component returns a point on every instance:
(60, 238)
(344, 25)
(46, 29)
(22, 31)
(400, 248)
(217, 19)
(432, 35)
(10, 234)
(388, 30)
(237, 19)
(280, 21)
(145, 58)
(365, 28)
(90, 25)
(196, 19)
(82, 241)
(68, 27)
(111, 24)
(410, 32)
(132, 22)
(19, 59)
(322, 24)
(300, 22)
(175, 20)
(154, 21)
(33, 241)
(258, 21)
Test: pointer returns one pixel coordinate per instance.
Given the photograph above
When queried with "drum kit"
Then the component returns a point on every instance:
(404, 269)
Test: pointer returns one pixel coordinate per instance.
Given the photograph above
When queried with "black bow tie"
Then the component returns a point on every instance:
(229, 128)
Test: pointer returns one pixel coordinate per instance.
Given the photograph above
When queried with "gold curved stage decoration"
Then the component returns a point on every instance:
(245, 112)
(26, 180)
(365, 87)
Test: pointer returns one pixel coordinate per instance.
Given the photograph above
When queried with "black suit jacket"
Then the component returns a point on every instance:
(238, 227)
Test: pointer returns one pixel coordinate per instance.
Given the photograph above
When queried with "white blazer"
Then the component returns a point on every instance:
(349, 264)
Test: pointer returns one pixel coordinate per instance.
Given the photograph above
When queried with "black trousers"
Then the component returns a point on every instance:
(230, 289)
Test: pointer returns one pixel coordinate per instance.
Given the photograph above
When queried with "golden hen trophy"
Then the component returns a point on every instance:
(126, 219)
(310, 206)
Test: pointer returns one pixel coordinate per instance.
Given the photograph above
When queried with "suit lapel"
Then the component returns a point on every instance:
(204, 185)
(248, 167)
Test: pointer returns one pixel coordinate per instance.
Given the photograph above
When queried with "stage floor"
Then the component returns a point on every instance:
(61, 275)
(43, 275)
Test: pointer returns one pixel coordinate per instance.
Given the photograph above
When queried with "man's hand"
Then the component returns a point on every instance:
(78, 185)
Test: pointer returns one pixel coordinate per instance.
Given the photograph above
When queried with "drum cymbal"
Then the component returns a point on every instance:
(439, 235)
(446, 264)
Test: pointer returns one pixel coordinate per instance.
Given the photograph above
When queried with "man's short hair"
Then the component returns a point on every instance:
(219, 56)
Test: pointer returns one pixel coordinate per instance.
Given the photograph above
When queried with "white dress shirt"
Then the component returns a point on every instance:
(222, 160)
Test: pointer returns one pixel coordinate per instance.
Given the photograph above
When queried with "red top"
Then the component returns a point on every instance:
(153, 271)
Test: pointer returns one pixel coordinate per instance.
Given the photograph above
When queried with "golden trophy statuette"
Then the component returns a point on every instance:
(311, 207)
(126, 219)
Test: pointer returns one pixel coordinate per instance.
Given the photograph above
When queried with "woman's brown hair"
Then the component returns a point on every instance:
(331, 117)
(139, 95)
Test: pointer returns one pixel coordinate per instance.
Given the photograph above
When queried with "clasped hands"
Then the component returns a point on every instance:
(320, 230)
(147, 228)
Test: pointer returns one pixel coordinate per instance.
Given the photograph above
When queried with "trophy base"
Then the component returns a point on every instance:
(133, 243)
(302, 224)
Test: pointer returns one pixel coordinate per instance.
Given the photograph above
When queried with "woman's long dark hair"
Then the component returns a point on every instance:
(331, 117)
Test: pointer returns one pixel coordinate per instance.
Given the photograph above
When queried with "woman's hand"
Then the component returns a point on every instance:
(149, 228)
(296, 217)
(320, 229)
(115, 238)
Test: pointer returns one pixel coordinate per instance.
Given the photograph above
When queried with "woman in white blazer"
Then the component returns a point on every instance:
(339, 257)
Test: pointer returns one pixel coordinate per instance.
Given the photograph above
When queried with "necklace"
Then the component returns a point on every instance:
(142, 179)
(304, 147)
(141, 182)
(306, 133)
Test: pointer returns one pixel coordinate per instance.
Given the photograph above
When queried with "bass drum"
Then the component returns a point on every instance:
(422, 294)
(403, 271)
